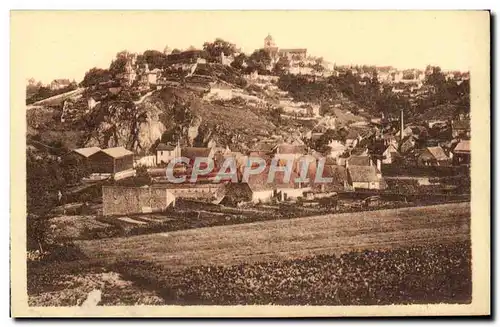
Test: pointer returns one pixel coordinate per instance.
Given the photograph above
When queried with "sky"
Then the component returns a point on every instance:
(66, 44)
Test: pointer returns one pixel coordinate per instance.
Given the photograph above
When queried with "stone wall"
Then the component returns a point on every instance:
(118, 200)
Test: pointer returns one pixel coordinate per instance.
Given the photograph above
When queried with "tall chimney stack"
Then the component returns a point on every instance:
(402, 125)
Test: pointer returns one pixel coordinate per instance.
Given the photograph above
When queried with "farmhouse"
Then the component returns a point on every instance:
(390, 154)
(432, 156)
(365, 177)
(112, 161)
(461, 153)
(118, 200)
(167, 152)
(260, 189)
(288, 189)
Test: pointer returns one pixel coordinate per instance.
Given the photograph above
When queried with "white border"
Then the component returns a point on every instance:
(147, 4)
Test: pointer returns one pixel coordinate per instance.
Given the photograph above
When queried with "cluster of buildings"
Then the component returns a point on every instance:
(354, 162)
(140, 73)
(354, 156)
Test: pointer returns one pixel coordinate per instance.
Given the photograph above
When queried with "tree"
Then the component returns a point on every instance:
(175, 51)
(37, 229)
(275, 114)
(435, 77)
(259, 60)
(43, 181)
(239, 61)
(281, 65)
(73, 170)
(318, 67)
(96, 76)
(118, 65)
(154, 59)
(214, 49)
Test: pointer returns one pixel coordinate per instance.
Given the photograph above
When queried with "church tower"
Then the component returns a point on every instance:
(269, 42)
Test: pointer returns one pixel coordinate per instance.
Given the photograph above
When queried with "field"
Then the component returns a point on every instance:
(289, 239)
(411, 255)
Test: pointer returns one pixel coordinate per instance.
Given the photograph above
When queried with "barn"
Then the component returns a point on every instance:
(112, 160)
(84, 153)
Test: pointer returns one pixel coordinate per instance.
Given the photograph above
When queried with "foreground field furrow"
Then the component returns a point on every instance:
(255, 252)
(287, 239)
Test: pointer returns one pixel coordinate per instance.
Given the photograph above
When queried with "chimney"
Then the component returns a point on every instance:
(402, 125)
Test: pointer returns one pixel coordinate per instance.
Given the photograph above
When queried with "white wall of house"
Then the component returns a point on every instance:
(152, 78)
(166, 156)
(262, 196)
(291, 193)
(388, 159)
(367, 185)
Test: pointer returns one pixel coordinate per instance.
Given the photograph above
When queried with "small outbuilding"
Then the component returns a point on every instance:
(112, 160)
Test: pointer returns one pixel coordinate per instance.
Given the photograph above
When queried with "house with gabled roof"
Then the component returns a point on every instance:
(165, 152)
(433, 156)
(85, 152)
(390, 154)
(461, 153)
(408, 144)
(365, 177)
(112, 160)
(197, 152)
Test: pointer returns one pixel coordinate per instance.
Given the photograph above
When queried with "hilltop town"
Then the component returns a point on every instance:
(98, 151)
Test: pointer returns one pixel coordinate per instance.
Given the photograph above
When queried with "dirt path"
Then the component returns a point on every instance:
(285, 239)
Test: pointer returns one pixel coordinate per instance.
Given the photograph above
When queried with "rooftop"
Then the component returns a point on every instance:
(117, 152)
(437, 152)
(363, 174)
(87, 152)
(359, 161)
(463, 146)
(165, 147)
(194, 152)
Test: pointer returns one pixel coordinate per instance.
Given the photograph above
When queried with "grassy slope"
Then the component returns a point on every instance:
(289, 239)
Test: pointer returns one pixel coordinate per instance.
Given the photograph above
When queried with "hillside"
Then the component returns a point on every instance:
(216, 103)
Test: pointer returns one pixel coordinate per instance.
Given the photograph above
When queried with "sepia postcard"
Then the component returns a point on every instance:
(250, 163)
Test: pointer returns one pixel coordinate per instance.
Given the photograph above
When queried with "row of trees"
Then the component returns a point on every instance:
(47, 180)
(46, 176)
